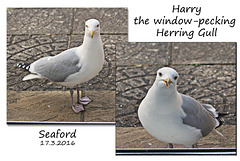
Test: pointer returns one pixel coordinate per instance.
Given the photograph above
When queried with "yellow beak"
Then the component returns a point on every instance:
(167, 82)
(92, 33)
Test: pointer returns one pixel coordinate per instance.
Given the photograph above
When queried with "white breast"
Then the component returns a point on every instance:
(91, 63)
(164, 122)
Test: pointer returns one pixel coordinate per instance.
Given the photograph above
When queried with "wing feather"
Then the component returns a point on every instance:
(197, 116)
(59, 67)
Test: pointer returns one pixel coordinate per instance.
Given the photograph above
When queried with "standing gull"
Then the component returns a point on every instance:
(173, 117)
(73, 66)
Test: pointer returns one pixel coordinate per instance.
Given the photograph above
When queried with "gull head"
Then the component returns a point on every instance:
(92, 28)
(166, 78)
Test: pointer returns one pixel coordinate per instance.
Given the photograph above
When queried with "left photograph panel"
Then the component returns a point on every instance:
(61, 65)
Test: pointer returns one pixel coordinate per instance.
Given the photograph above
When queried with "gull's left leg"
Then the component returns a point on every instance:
(76, 107)
(170, 145)
(83, 100)
(195, 145)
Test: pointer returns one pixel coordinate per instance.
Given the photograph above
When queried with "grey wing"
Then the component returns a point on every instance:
(59, 67)
(197, 116)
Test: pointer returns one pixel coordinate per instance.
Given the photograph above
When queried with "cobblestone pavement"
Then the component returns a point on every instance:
(34, 33)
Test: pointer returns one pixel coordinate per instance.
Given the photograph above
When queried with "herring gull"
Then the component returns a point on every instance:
(73, 66)
(173, 117)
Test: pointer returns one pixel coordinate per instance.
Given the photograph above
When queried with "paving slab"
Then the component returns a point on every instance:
(40, 106)
(39, 20)
(55, 106)
(139, 138)
(33, 47)
(112, 20)
(130, 53)
(211, 84)
(204, 53)
(102, 108)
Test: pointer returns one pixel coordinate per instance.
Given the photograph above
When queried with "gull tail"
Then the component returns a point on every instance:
(24, 66)
(31, 76)
(218, 132)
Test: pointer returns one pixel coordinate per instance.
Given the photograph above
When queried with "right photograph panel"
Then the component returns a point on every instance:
(175, 96)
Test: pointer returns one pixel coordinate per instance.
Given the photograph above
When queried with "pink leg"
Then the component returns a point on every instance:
(83, 100)
(76, 107)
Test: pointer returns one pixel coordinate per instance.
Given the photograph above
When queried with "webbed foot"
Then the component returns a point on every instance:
(84, 100)
(77, 108)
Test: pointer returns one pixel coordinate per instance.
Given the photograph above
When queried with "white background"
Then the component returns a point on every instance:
(97, 142)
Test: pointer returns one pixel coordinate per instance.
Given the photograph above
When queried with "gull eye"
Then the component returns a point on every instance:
(98, 25)
(160, 74)
(176, 77)
(86, 26)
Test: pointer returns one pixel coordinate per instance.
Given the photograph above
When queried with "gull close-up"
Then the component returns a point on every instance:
(73, 66)
(175, 118)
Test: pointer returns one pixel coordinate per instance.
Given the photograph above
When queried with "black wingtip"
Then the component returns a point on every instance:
(221, 121)
(24, 66)
(220, 117)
